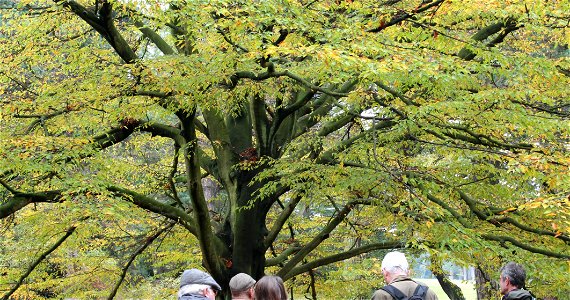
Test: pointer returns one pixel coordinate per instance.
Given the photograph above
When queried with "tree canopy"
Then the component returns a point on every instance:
(140, 138)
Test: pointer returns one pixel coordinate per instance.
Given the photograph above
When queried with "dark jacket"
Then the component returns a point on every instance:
(520, 294)
(406, 285)
(192, 297)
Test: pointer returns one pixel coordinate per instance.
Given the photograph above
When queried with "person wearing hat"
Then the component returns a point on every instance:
(242, 286)
(395, 270)
(196, 284)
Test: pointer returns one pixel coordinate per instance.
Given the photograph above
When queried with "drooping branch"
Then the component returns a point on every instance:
(274, 74)
(465, 223)
(342, 256)
(328, 156)
(320, 237)
(40, 119)
(234, 44)
(149, 240)
(43, 256)
(560, 110)
(503, 239)
(396, 94)
(150, 204)
(21, 199)
(469, 136)
(508, 220)
(164, 131)
(495, 220)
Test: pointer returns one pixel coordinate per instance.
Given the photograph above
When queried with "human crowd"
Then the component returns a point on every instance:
(196, 284)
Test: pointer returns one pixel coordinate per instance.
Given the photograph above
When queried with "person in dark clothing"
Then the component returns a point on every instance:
(197, 285)
(512, 281)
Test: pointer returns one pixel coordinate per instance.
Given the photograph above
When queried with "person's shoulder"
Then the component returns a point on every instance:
(381, 294)
(430, 294)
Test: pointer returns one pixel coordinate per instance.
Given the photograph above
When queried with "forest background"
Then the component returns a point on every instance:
(298, 138)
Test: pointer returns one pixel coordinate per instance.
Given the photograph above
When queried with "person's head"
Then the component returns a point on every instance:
(270, 288)
(242, 286)
(394, 264)
(513, 276)
(194, 281)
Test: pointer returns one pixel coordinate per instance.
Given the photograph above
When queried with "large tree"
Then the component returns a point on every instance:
(225, 126)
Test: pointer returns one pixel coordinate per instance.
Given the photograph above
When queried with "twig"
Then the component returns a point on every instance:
(148, 242)
(68, 233)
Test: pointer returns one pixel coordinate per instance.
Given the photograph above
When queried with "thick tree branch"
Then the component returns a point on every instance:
(465, 223)
(508, 25)
(503, 239)
(484, 216)
(274, 74)
(261, 124)
(155, 38)
(319, 238)
(172, 173)
(282, 257)
(43, 256)
(341, 256)
(281, 220)
(21, 199)
(210, 245)
(164, 131)
(396, 94)
(103, 24)
(149, 240)
(145, 202)
(454, 132)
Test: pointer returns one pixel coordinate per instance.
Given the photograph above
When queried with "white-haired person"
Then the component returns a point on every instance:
(395, 270)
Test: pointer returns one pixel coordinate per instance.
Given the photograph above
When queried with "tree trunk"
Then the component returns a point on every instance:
(450, 288)
(483, 284)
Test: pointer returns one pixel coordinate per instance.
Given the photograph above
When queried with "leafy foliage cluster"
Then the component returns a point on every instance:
(289, 137)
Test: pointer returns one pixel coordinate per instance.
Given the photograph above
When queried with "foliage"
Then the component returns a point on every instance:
(331, 129)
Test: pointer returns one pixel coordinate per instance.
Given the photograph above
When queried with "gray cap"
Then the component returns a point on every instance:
(241, 282)
(195, 276)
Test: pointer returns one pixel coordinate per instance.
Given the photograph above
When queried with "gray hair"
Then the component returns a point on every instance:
(193, 289)
(515, 273)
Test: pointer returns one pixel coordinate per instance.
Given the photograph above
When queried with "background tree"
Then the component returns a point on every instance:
(331, 128)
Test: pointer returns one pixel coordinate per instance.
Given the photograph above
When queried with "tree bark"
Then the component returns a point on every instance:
(483, 284)
(450, 288)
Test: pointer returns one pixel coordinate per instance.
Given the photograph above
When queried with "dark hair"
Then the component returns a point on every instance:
(270, 288)
(515, 273)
